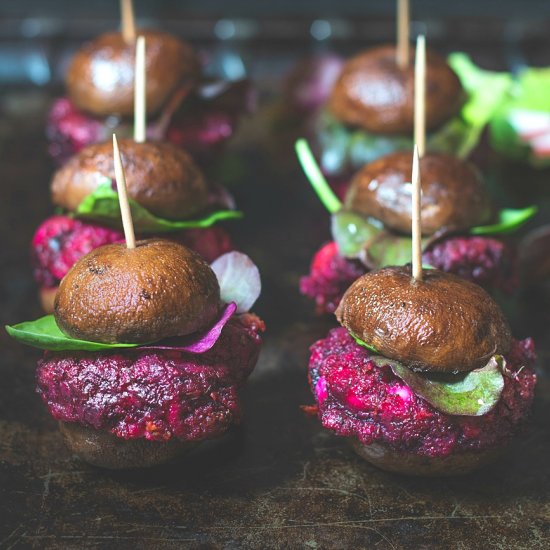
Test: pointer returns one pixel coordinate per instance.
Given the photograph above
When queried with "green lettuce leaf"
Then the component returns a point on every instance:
(358, 237)
(352, 232)
(102, 206)
(486, 89)
(45, 334)
(344, 149)
(467, 394)
(528, 91)
(390, 249)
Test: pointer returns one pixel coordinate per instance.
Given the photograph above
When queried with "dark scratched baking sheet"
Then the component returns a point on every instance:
(279, 481)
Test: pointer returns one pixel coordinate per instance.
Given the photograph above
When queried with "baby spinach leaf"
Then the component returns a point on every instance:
(102, 206)
(45, 334)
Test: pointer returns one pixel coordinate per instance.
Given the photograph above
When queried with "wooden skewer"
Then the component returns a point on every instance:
(420, 95)
(416, 217)
(403, 34)
(140, 86)
(128, 21)
(123, 197)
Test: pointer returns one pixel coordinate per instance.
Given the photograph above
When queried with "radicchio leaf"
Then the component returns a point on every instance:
(203, 342)
(467, 394)
(239, 279)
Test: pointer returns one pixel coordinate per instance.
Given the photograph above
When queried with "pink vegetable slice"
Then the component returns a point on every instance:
(203, 342)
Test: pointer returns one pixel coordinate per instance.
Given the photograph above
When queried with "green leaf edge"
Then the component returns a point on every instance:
(313, 173)
(362, 343)
(57, 341)
(519, 216)
(154, 223)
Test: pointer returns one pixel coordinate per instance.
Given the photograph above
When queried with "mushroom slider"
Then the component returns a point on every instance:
(424, 376)
(182, 105)
(159, 176)
(453, 193)
(100, 77)
(370, 112)
(166, 186)
(463, 232)
(375, 94)
(120, 295)
(146, 350)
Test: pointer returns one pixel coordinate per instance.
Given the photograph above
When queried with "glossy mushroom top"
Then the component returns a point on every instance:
(157, 290)
(159, 176)
(441, 324)
(453, 193)
(100, 78)
(373, 93)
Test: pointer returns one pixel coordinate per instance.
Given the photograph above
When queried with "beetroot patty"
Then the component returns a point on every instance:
(154, 394)
(487, 262)
(202, 131)
(60, 241)
(356, 398)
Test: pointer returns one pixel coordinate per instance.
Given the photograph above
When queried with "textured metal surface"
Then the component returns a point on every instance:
(277, 482)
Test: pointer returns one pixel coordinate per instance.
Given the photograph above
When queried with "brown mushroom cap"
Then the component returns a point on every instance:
(159, 176)
(390, 460)
(440, 324)
(100, 78)
(106, 450)
(373, 93)
(157, 290)
(453, 193)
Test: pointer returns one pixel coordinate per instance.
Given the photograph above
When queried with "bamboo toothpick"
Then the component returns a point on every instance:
(403, 34)
(420, 95)
(140, 86)
(416, 217)
(123, 197)
(128, 21)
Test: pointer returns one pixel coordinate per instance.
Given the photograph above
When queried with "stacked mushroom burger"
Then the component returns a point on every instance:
(370, 110)
(147, 350)
(463, 233)
(424, 378)
(168, 192)
(183, 106)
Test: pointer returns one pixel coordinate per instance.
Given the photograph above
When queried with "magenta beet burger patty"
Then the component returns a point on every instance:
(183, 106)
(154, 394)
(424, 377)
(463, 233)
(169, 196)
(147, 350)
